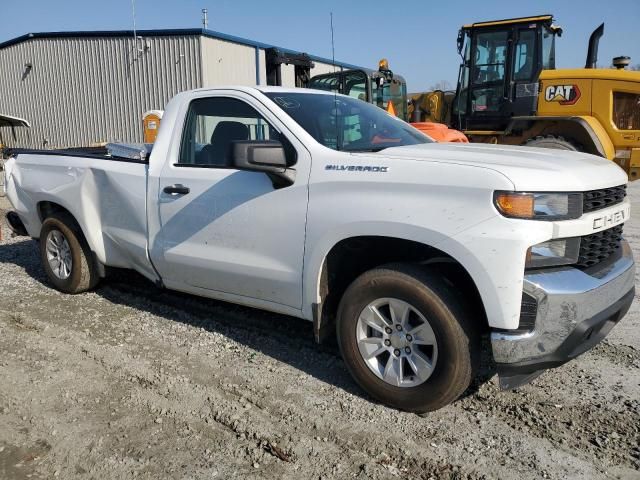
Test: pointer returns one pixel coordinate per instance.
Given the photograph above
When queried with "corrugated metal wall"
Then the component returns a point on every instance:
(322, 68)
(87, 90)
(82, 91)
(262, 54)
(227, 63)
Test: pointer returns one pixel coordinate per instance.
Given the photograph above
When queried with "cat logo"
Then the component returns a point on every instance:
(563, 94)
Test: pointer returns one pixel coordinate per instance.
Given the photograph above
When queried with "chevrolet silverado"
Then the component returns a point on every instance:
(326, 208)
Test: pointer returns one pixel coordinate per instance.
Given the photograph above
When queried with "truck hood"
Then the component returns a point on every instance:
(534, 169)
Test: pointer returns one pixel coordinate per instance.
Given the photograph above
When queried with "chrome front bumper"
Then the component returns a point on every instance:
(576, 310)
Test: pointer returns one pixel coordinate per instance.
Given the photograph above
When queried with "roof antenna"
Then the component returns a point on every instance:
(133, 13)
(333, 48)
(135, 32)
(205, 19)
(335, 92)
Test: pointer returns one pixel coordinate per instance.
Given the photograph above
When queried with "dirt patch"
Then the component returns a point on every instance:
(20, 463)
(624, 355)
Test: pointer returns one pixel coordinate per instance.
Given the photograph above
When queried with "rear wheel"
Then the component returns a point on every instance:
(406, 338)
(552, 141)
(66, 256)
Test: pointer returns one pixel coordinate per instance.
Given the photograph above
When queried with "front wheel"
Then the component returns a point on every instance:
(406, 338)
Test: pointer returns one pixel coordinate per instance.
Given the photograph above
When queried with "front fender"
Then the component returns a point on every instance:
(491, 251)
(315, 258)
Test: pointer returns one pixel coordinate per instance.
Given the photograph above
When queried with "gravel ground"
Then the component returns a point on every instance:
(133, 382)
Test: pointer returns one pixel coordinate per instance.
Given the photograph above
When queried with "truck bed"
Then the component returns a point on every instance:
(100, 153)
(107, 194)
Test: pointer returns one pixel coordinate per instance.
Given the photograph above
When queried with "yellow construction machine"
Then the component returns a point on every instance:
(509, 92)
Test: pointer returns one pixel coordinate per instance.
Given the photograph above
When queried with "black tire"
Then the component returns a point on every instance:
(84, 272)
(551, 141)
(458, 341)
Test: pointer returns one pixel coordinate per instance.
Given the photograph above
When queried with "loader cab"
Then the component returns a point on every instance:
(501, 64)
(381, 87)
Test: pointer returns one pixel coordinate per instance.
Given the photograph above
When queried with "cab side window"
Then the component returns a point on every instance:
(524, 56)
(214, 124)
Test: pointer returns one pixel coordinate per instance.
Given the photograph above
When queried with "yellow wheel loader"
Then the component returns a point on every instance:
(509, 92)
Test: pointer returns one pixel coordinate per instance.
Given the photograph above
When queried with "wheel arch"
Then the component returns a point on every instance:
(585, 130)
(350, 256)
(47, 208)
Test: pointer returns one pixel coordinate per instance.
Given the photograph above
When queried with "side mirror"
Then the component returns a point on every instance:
(266, 156)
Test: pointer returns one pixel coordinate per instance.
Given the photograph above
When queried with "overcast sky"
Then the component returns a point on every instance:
(418, 37)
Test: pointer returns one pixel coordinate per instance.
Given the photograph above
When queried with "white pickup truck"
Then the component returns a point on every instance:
(327, 208)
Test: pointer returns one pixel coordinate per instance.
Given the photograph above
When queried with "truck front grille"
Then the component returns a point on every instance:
(603, 198)
(528, 312)
(597, 247)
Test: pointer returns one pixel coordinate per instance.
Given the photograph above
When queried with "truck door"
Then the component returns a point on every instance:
(226, 231)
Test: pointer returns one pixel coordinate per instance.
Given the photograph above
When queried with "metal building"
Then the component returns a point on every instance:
(87, 88)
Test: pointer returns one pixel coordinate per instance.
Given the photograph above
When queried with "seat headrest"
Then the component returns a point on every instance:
(229, 131)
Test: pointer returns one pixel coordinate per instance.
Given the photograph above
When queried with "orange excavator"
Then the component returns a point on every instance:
(387, 90)
(440, 132)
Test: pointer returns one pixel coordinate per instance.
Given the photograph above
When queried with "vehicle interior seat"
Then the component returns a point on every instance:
(218, 152)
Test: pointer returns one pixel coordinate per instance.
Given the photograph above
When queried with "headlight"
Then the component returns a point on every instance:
(539, 206)
(553, 253)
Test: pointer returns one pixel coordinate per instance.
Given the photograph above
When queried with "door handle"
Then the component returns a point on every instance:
(177, 189)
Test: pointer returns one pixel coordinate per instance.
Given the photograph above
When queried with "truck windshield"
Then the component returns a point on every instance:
(347, 124)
